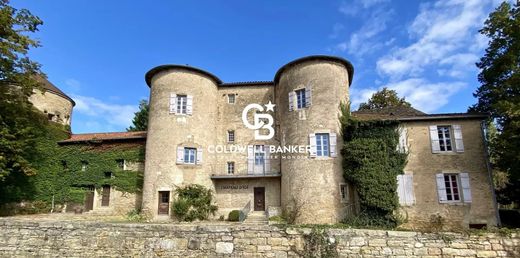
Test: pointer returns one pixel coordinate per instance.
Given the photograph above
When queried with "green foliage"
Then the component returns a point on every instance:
(135, 215)
(59, 172)
(140, 121)
(18, 123)
(193, 202)
(373, 220)
(318, 244)
(180, 208)
(499, 93)
(371, 163)
(234, 215)
(384, 98)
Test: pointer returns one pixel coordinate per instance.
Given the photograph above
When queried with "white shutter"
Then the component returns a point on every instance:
(312, 143)
(291, 100)
(403, 139)
(267, 159)
(441, 188)
(434, 137)
(400, 190)
(457, 133)
(466, 189)
(333, 141)
(308, 98)
(199, 156)
(250, 159)
(189, 104)
(405, 189)
(173, 103)
(180, 155)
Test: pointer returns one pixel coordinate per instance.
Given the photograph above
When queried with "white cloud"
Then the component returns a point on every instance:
(72, 85)
(423, 95)
(352, 8)
(111, 115)
(440, 30)
(366, 40)
(358, 96)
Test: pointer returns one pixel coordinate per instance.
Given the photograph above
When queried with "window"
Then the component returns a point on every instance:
(451, 183)
(121, 164)
(300, 98)
(343, 191)
(189, 155)
(182, 102)
(64, 164)
(231, 167)
(444, 138)
(231, 136)
(259, 155)
(453, 187)
(231, 98)
(322, 144)
(84, 165)
(108, 175)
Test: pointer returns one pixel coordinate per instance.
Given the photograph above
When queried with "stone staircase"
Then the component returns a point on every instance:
(256, 218)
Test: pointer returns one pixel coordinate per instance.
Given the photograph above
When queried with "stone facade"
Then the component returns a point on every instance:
(425, 165)
(88, 239)
(286, 182)
(306, 181)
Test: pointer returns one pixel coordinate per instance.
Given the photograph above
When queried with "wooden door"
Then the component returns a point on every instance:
(164, 202)
(259, 198)
(105, 198)
(89, 199)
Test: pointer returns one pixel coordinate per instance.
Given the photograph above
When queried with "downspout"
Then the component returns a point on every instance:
(490, 171)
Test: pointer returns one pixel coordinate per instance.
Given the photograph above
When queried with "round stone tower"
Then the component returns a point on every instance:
(310, 184)
(169, 131)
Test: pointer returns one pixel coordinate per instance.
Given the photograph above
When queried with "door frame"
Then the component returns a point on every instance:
(261, 192)
(159, 202)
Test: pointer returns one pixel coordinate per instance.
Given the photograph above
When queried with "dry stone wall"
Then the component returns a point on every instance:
(93, 239)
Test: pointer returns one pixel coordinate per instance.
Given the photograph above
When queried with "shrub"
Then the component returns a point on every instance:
(234, 215)
(180, 208)
(135, 216)
(193, 202)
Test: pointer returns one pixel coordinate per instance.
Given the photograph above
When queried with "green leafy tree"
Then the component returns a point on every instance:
(384, 98)
(499, 93)
(18, 123)
(140, 121)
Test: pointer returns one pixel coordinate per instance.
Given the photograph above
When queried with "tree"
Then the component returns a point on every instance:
(499, 93)
(140, 121)
(18, 122)
(384, 98)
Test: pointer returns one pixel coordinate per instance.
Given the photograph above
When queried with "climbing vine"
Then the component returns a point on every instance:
(371, 163)
(59, 175)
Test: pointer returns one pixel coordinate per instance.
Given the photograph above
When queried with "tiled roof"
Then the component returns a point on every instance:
(387, 113)
(47, 85)
(115, 136)
(410, 114)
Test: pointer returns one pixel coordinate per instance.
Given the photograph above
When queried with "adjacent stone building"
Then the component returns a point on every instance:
(269, 146)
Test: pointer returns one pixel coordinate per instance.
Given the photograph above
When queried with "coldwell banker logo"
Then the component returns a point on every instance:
(259, 120)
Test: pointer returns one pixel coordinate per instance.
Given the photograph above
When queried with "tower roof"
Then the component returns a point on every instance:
(48, 86)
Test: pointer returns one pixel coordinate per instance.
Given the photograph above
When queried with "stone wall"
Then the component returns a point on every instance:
(424, 165)
(83, 239)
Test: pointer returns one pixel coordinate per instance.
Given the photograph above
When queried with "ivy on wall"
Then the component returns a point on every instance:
(371, 163)
(59, 174)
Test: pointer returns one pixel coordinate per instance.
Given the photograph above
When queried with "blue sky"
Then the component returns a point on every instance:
(98, 51)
